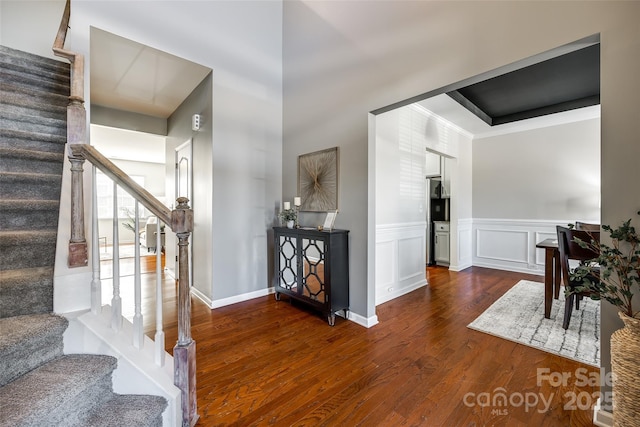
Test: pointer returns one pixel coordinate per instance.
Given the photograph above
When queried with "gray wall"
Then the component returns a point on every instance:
(344, 59)
(553, 173)
(179, 131)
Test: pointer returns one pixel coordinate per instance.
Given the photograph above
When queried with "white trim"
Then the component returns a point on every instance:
(601, 417)
(367, 322)
(442, 120)
(240, 298)
(202, 297)
(381, 299)
(479, 244)
(489, 250)
(393, 277)
(400, 225)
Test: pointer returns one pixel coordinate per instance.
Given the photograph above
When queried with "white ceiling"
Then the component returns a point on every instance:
(447, 109)
(129, 76)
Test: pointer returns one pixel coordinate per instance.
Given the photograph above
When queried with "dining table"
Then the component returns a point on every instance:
(552, 273)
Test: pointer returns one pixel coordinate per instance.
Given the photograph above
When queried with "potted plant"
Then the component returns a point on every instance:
(617, 269)
(289, 217)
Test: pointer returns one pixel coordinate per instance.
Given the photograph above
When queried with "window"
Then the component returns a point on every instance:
(126, 203)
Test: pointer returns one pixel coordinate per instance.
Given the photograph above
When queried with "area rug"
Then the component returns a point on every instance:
(518, 316)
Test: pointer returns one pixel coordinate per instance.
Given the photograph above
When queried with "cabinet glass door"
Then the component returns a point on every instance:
(313, 281)
(287, 274)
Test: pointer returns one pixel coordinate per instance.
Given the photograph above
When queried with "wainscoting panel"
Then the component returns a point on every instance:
(502, 245)
(540, 236)
(511, 244)
(411, 257)
(463, 257)
(385, 267)
(400, 259)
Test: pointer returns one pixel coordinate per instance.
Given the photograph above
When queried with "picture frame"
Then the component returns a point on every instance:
(318, 180)
(329, 220)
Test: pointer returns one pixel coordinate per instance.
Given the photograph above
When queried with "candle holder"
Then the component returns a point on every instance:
(296, 204)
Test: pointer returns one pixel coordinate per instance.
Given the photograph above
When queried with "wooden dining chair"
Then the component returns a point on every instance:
(585, 226)
(570, 250)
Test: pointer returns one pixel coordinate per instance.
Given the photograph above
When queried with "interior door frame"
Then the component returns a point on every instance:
(188, 144)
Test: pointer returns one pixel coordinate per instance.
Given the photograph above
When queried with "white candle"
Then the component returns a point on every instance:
(297, 201)
(287, 205)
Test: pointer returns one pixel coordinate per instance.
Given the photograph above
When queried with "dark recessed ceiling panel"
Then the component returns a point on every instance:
(563, 83)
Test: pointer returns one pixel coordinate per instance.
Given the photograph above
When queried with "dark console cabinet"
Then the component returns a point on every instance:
(312, 266)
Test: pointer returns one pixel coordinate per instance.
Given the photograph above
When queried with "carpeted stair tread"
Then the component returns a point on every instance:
(18, 153)
(32, 98)
(26, 291)
(21, 160)
(27, 237)
(29, 214)
(61, 392)
(27, 249)
(31, 63)
(34, 123)
(30, 140)
(16, 185)
(34, 81)
(129, 410)
(28, 342)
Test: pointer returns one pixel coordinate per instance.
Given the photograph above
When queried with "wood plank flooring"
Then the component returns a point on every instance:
(274, 363)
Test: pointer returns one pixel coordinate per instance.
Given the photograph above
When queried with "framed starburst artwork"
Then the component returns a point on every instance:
(318, 180)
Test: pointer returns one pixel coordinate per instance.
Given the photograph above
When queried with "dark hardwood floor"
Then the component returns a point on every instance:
(267, 362)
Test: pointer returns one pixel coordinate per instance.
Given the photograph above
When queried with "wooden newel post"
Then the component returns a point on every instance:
(76, 134)
(78, 256)
(184, 352)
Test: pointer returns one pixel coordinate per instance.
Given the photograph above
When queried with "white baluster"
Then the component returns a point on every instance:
(159, 337)
(116, 302)
(96, 284)
(138, 330)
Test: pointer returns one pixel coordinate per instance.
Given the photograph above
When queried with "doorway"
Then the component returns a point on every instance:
(184, 188)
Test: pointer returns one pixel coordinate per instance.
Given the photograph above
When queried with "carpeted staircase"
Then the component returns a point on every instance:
(39, 385)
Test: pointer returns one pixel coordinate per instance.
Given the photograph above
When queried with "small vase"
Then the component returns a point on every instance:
(625, 365)
(290, 224)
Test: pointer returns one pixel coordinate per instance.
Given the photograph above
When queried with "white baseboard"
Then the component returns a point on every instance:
(231, 300)
(382, 298)
(601, 417)
(202, 297)
(242, 297)
(367, 322)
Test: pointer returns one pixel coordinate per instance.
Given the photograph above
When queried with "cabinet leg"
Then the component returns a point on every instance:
(331, 318)
(277, 296)
(345, 313)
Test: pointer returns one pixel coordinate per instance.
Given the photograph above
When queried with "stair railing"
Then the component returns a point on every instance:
(179, 220)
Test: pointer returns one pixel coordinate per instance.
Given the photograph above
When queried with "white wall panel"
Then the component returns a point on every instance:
(400, 259)
(503, 245)
(508, 244)
(411, 257)
(540, 236)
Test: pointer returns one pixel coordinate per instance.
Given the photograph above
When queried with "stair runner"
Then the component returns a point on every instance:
(39, 384)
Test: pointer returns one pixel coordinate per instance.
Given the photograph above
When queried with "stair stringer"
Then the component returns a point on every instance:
(137, 372)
